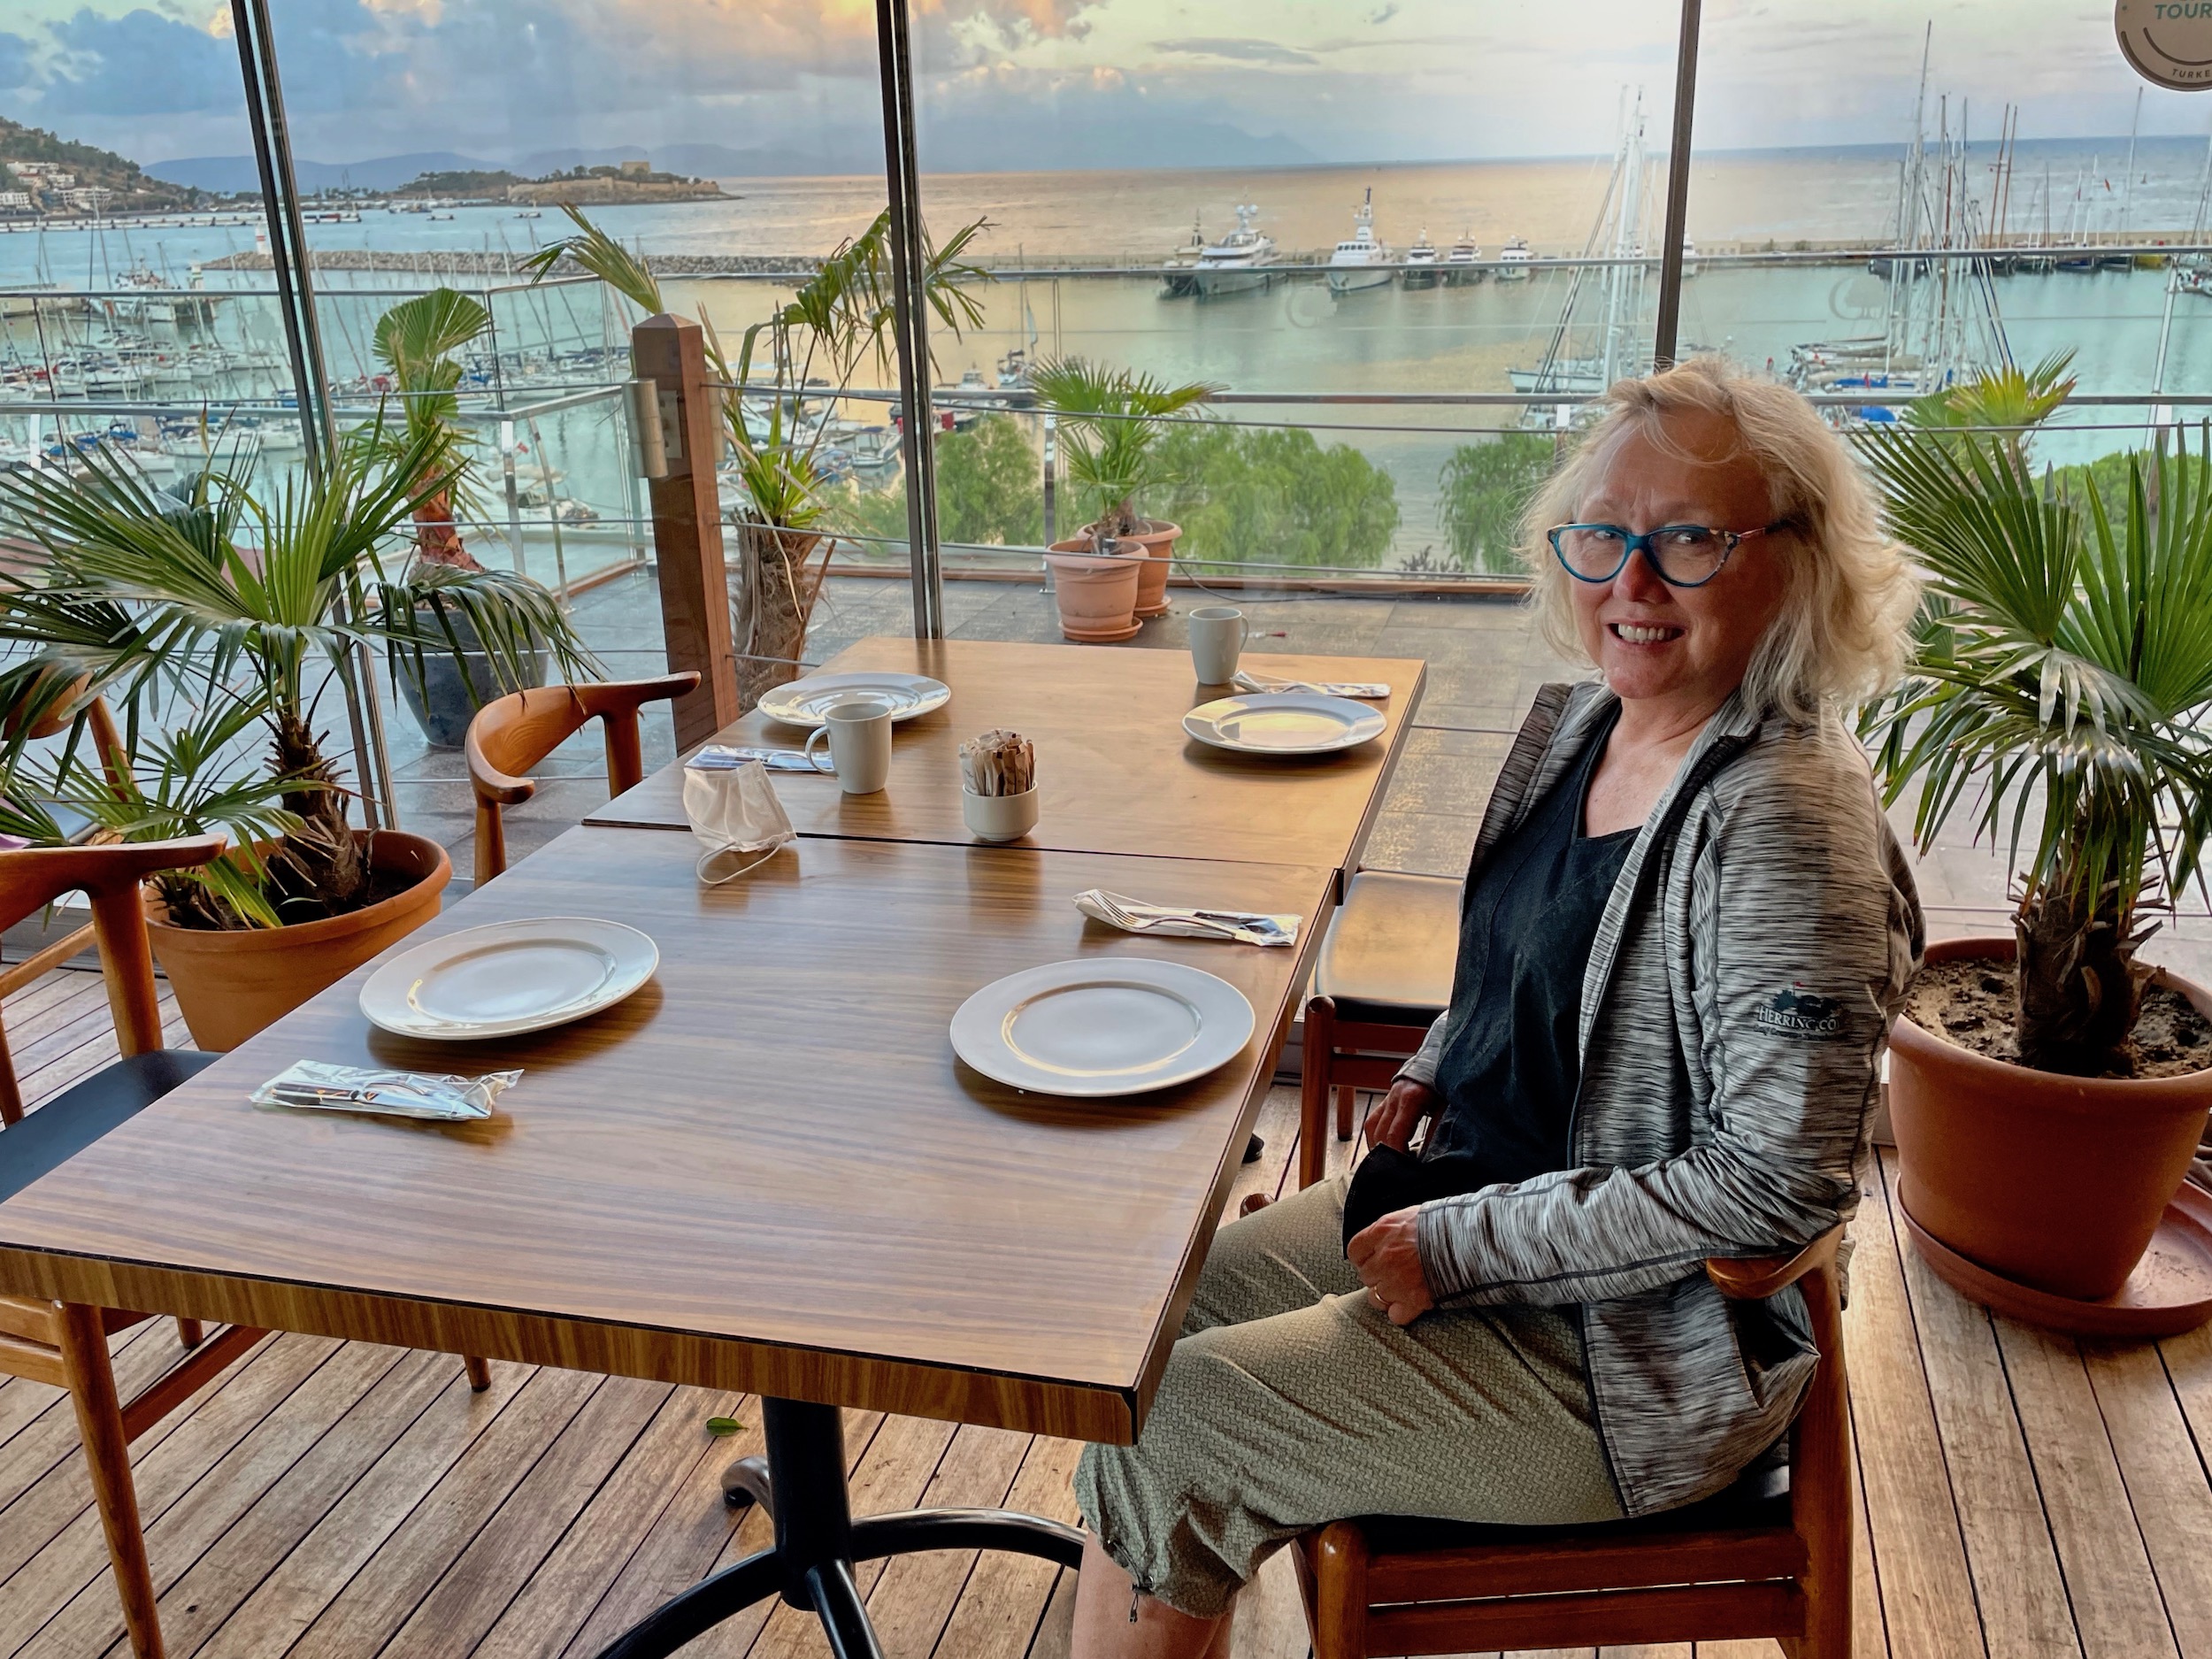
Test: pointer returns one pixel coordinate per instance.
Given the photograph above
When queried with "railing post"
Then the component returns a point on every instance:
(671, 351)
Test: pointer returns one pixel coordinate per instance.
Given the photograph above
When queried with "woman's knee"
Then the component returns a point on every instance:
(1285, 1256)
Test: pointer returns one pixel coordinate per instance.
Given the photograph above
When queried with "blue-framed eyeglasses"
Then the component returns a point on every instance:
(1684, 555)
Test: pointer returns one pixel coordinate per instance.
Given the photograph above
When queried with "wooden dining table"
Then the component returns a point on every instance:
(1116, 770)
(765, 1171)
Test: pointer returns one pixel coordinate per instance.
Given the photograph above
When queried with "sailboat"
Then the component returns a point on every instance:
(1623, 345)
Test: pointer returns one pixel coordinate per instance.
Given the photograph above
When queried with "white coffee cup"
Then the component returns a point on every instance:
(1218, 633)
(858, 733)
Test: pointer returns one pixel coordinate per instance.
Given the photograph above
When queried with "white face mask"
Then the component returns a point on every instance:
(734, 814)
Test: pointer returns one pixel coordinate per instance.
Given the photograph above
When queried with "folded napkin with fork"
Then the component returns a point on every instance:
(1370, 690)
(312, 1086)
(1244, 927)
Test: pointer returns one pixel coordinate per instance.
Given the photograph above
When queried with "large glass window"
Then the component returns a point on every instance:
(2032, 181)
(1340, 217)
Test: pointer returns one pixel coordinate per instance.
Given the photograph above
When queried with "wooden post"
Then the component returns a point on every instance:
(671, 351)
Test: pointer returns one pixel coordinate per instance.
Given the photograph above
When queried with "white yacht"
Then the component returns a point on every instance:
(1238, 261)
(1421, 271)
(1513, 261)
(1359, 260)
(1689, 258)
(1462, 265)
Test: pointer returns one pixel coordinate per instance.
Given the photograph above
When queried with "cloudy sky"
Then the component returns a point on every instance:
(1335, 79)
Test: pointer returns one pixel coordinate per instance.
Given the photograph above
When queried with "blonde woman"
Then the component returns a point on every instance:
(1683, 933)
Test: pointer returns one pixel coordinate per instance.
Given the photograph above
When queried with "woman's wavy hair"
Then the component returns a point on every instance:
(1843, 632)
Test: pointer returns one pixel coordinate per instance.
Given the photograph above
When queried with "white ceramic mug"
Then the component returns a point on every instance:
(858, 733)
(1218, 633)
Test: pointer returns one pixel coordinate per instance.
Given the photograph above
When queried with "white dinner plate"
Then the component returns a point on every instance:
(506, 978)
(1283, 723)
(1103, 1025)
(802, 702)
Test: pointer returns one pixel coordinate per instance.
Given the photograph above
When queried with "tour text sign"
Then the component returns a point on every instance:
(2169, 42)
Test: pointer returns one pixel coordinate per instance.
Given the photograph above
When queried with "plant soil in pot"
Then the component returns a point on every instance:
(1156, 537)
(230, 983)
(1097, 595)
(442, 705)
(2053, 1181)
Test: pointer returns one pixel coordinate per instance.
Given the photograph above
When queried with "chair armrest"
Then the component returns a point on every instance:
(1754, 1278)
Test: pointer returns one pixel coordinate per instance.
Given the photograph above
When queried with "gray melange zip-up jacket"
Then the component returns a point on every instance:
(1756, 947)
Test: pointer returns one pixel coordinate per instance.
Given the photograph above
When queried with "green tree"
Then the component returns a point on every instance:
(1485, 488)
(1275, 497)
(990, 485)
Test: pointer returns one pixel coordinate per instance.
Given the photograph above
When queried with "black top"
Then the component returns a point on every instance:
(1511, 1061)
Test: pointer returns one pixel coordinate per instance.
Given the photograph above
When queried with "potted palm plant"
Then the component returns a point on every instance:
(808, 350)
(1111, 423)
(2064, 660)
(217, 622)
(416, 341)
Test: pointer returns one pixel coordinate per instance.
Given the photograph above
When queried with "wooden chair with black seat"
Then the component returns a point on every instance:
(512, 735)
(1771, 1556)
(1383, 976)
(65, 1344)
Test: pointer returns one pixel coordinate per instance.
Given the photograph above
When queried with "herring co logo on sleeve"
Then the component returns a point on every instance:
(1796, 1012)
(2169, 42)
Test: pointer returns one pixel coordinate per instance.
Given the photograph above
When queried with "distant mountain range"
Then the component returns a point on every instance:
(959, 144)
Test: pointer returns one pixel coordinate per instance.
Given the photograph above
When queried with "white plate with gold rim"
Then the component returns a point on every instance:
(804, 702)
(1103, 1025)
(507, 978)
(1285, 722)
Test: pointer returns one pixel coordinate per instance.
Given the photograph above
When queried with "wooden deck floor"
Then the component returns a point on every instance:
(2023, 1495)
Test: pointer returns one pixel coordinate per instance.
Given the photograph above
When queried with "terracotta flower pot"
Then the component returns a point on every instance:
(230, 983)
(1157, 538)
(2055, 1182)
(1097, 596)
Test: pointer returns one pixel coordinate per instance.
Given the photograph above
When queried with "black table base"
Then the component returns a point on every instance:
(801, 1484)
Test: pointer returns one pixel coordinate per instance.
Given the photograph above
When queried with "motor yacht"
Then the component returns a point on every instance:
(1462, 265)
(1513, 261)
(1238, 260)
(1360, 261)
(1421, 272)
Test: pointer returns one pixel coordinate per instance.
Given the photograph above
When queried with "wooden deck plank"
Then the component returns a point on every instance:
(900, 1461)
(2168, 1491)
(693, 1531)
(2009, 1546)
(185, 1529)
(320, 1564)
(1919, 1555)
(915, 1595)
(44, 1426)
(1004, 1604)
(473, 1594)
(74, 1553)
(198, 1602)
(2117, 1606)
(622, 1513)
(734, 1637)
(378, 1599)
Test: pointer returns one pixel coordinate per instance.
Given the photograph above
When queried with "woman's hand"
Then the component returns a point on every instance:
(1388, 1257)
(1402, 1112)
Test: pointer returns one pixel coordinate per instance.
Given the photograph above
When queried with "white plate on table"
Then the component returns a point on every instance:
(803, 701)
(1285, 722)
(1103, 1025)
(507, 978)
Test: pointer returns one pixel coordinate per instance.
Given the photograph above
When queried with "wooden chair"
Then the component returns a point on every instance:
(1770, 1556)
(1383, 976)
(16, 976)
(510, 736)
(65, 1343)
